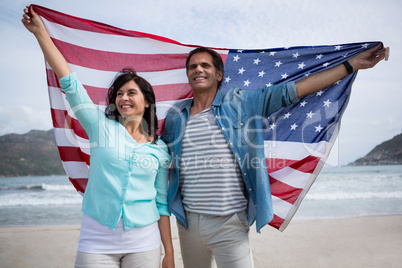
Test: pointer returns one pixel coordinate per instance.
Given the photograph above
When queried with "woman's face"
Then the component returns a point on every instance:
(130, 101)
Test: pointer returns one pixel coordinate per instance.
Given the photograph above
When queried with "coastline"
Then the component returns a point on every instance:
(373, 241)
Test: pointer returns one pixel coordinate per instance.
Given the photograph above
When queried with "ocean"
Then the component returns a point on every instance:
(338, 192)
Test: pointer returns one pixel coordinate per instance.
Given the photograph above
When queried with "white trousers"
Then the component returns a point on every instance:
(146, 259)
(223, 238)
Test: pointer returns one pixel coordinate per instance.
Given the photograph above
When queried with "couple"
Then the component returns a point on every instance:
(127, 230)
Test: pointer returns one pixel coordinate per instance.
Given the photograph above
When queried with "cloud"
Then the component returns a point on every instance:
(21, 119)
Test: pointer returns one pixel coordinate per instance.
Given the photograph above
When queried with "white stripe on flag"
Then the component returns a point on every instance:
(281, 208)
(291, 177)
(76, 170)
(103, 79)
(67, 138)
(294, 150)
(112, 42)
(58, 99)
(163, 107)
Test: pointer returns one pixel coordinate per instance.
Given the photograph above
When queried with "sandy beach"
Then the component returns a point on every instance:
(348, 242)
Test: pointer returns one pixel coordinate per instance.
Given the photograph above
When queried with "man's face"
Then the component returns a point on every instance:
(202, 74)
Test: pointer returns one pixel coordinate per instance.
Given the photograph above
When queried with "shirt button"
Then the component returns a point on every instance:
(239, 158)
(245, 174)
(249, 189)
(216, 116)
(231, 144)
(223, 128)
(241, 124)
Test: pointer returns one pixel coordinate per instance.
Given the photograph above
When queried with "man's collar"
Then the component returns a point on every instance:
(218, 99)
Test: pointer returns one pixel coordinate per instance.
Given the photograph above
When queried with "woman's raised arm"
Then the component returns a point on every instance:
(34, 24)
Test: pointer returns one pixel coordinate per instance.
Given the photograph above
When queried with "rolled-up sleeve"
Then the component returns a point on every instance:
(267, 101)
(292, 92)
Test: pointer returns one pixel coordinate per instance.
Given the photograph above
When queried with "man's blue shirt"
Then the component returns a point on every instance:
(239, 114)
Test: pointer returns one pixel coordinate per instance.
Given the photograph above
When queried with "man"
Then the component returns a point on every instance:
(214, 192)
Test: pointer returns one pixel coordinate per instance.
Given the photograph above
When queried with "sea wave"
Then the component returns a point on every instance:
(44, 187)
(51, 187)
(34, 201)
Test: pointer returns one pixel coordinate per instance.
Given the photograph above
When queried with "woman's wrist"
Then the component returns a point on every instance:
(169, 251)
(40, 33)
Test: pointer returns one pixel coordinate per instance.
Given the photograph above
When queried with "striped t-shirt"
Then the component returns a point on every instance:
(210, 178)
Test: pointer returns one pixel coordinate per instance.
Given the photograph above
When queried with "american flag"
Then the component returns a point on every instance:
(298, 138)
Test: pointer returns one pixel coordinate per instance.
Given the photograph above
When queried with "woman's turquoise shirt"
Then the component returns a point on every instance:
(126, 179)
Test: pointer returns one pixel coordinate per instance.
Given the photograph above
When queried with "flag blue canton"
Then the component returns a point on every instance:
(315, 117)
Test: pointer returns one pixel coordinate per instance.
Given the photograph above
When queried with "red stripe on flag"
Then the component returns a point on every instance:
(173, 92)
(61, 119)
(98, 95)
(284, 191)
(73, 154)
(115, 61)
(306, 165)
(224, 57)
(161, 126)
(52, 80)
(276, 222)
(275, 164)
(162, 93)
(79, 184)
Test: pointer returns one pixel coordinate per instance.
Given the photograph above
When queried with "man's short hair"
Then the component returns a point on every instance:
(216, 60)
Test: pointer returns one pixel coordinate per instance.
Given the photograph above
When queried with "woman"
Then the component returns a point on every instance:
(125, 202)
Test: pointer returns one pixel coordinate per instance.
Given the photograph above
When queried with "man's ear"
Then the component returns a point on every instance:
(220, 75)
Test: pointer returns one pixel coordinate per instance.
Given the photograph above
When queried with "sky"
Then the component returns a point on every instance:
(373, 114)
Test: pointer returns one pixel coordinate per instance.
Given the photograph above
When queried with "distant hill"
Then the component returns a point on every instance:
(387, 153)
(32, 154)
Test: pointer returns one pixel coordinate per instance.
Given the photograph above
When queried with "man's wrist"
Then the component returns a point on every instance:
(348, 66)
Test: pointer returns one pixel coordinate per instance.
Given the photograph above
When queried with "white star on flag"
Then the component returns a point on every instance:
(301, 65)
(327, 103)
(310, 114)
